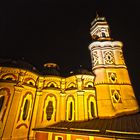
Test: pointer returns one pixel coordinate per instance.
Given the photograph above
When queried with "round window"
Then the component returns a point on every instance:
(117, 96)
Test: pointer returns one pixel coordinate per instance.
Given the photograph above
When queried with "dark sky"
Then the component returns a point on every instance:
(58, 31)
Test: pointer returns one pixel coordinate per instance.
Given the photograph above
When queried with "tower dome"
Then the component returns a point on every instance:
(17, 64)
(81, 71)
(51, 69)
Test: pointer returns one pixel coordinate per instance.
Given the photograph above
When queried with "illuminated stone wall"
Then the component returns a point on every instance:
(29, 100)
(18, 88)
(114, 91)
(60, 136)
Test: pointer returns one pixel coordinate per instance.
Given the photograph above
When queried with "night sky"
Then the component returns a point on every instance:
(58, 31)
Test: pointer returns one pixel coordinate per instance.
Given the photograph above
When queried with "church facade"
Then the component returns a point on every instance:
(43, 107)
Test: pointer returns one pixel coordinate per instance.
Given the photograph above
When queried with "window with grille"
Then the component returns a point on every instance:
(92, 109)
(26, 109)
(49, 110)
(70, 111)
(1, 102)
(58, 138)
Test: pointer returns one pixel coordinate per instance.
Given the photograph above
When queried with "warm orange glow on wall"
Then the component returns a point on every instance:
(29, 100)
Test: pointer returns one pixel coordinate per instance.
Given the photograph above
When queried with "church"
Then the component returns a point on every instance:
(85, 105)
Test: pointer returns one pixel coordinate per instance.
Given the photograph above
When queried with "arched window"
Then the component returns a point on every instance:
(31, 83)
(9, 78)
(1, 101)
(71, 86)
(26, 109)
(70, 111)
(92, 109)
(89, 86)
(58, 138)
(103, 34)
(49, 110)
(52, 85)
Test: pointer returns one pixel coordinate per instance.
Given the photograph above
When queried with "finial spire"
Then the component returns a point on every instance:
(97, 15)
(100, 28)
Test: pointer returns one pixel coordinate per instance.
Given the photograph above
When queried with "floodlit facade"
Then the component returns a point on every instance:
(113, 87)
(48, 106)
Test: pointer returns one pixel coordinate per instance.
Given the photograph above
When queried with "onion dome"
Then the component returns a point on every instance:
(51, 69)
(81, 70)
(17, 64)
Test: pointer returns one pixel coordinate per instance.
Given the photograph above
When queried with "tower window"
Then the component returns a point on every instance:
(103, 34)
(9, 78)
(116, 96)
(49, 110)
(70, 111)
(92, 109)
(112, 77)
(26, 109)
(1, 102)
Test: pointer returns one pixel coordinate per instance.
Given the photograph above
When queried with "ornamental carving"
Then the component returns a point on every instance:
(108, 57)
(95, 58)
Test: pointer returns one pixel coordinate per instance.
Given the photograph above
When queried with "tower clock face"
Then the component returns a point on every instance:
(109, 57)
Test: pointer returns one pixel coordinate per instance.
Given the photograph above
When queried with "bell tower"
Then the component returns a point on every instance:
(114, 92)
(100, 29)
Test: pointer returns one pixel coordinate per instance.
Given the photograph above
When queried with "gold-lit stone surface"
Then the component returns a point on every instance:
(29, 100)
